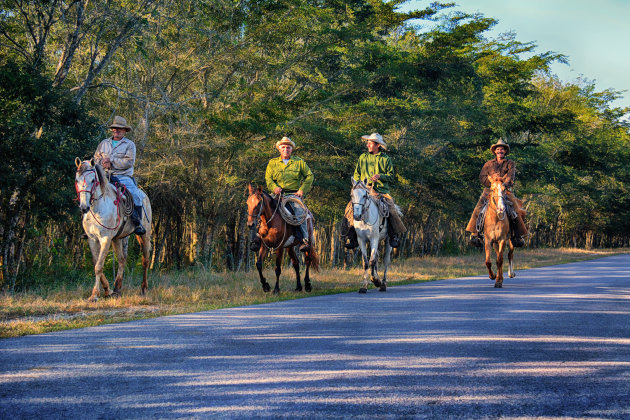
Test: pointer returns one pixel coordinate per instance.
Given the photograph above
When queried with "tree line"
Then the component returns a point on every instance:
(209, 86)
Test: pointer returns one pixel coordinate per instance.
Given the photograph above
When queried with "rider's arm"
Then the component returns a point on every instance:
(357, 169)
(483, 175)
(269, 172)
(307, 184)
(386, 171)
(510, 176)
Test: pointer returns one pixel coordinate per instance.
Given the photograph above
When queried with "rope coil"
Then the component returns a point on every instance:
(292, 219)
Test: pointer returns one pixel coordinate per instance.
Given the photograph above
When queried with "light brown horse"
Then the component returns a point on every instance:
(105, 225)
(496, 231)
(264, 220)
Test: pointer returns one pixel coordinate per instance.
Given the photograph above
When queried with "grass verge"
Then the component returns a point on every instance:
(192, 291)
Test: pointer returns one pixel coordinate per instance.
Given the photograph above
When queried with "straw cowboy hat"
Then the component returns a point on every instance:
(285, 140)
(120, 122)
(501, 142)
(376, 138)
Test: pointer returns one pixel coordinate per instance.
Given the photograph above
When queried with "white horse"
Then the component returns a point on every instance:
(105, 224)
(371, 227)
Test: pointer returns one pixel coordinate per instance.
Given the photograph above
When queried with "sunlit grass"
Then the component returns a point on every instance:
(194, 290)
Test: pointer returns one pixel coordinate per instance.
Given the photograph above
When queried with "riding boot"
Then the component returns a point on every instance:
(394, 240)
(136, 218)
(301, 235)
(475, 240)
(351, 239)
(516, 239)
(255, 244)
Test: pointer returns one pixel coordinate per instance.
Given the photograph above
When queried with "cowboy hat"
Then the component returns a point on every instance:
(376, 138)
(120, 122)
(502, 143)
(285, 140)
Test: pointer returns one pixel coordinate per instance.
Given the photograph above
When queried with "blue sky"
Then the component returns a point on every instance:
(594, 35)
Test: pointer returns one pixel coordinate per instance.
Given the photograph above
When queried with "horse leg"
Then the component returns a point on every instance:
(120, 248)
(511, 272)
(99, 252)
(307, 279)
(387, 258)
(262, 253)
(145, 246)
(296, 267)
(279, 254)
(366, 266)
(499, 251)
(488, 249)
(374, 262)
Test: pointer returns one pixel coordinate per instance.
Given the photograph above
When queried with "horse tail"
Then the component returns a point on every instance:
(314, 259)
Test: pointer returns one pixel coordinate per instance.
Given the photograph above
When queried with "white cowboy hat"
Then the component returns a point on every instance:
(501, 143)
(285, 140)
(376, 138)
(120, 122)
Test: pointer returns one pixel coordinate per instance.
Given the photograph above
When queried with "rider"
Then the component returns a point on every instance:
(117, 154)
(290, 175)
(377, 168)
(506, 169)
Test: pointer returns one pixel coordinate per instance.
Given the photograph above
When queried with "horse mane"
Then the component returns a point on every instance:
(102, 178)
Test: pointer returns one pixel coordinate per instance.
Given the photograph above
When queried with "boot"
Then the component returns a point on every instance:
(306, 246)
(394, 240)
(516, 239)
(255, 244)
(475, 240)
(136, 218)
(351, 239)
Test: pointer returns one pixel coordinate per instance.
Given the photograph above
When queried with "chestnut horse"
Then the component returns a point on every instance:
(496, 231)
(264, 220)
(105, 224)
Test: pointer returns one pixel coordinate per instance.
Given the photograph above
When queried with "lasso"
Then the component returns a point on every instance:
(292, 219)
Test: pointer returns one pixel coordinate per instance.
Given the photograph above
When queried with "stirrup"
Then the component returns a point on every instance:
(475, 240)
(140, 230)
(394, 241)
(517, 241)
(350, 244)
(305, 246)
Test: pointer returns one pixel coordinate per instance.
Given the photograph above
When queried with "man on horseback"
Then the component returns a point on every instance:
(506, 169)
(291, 176)
(377, 168)
(117, 155)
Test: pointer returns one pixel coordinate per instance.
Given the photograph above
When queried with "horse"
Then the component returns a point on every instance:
(105, 224)
(496, 231)
(264, 220)
(371, 227)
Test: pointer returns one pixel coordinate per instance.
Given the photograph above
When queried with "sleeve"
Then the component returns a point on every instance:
(307, 184)
(388, 175)
(357, 170)
(483, 175)
(271, 184)
(126, 161)
(98, 154)
(510, 176)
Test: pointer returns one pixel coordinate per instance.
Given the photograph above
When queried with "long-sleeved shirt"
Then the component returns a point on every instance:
(122, 156)
(371, 164)
(505, 169)
(292, 177)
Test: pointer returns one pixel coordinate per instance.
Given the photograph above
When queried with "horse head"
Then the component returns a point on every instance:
(87, 180)
(255, 205)
(360, 194)
(498, 195)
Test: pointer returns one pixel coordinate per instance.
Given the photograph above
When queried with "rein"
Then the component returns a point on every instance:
(95, 184)
(262, 201)
(365, 206)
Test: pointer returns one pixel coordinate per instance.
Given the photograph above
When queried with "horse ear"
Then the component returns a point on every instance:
(92, 162)
(260, 189)
(77, 162)
(250, 188)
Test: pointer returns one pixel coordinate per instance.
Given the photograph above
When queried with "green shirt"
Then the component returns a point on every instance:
(371, 164)
(294, 176)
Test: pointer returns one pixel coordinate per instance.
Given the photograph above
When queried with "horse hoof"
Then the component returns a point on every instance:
(308, 288)
(498, 285)
(383, 288)
(363, 290)
(298, 289)
(266, 288)
(276, 291)
(93, 299)
(377, 282)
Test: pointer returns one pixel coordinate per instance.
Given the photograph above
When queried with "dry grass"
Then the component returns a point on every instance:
(192, 291)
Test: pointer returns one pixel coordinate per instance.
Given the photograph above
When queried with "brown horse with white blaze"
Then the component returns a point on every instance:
(496, 231)
(265, 222)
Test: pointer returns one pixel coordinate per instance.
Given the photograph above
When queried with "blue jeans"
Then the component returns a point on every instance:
(130, 184)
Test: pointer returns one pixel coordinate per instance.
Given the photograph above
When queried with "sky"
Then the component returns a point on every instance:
(594, 35)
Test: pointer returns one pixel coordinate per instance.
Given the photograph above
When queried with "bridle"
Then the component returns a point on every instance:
(496, 199)
(93, 198)
(365, 205)
(256, 226)
(91, 191)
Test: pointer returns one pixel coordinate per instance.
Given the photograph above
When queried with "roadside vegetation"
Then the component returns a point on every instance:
(62, 307)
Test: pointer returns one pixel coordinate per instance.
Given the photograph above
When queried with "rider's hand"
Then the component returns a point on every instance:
(300, 193)
(277, 191)
(376, 177)
(107, 164)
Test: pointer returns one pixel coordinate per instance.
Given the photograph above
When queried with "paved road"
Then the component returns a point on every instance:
(553, 343)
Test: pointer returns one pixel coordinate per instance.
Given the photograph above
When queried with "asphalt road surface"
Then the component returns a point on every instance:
(553, 343)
